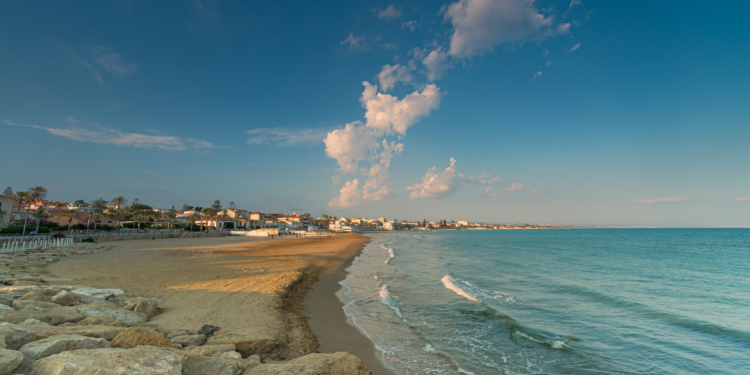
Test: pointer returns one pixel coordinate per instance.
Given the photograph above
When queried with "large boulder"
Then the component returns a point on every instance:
(34, 322)
(341, 363)
(211, 350)
(66, 298)
(61, 314)
(33, 304)
(132, 337)
(129, 317)
(16, 336)
(58, 344)
(147, 306)
(104, 332)
(265, 347)
(9, 360)
(136, 361)
(189, 340)
(98, 293)
(36, 295)
(199, 365)
(285, 369)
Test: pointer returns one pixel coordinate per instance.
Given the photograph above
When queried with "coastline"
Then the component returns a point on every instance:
(329, 323)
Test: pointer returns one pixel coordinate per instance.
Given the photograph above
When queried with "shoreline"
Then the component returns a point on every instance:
(329, 323)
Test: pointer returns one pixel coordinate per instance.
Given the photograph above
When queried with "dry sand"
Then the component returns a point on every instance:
(242, 284)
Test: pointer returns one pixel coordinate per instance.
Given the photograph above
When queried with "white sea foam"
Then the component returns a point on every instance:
(388, 300)
(450, 283)
(464, 371)
(429, 349)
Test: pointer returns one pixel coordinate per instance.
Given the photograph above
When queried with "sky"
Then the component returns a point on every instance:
(503, 111)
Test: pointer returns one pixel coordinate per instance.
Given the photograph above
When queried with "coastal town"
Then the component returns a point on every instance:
(30, 212)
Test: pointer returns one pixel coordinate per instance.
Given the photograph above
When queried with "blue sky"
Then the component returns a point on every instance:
(562, 112)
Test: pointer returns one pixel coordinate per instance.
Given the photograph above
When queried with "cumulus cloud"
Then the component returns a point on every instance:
(388, 114)
(480, 25)
(350, 145)
(283, 137)
(661, 200)
(390, 75)
(96, 133)
(336, 180)
(575, 47)
(436, 184)
(536, 75)
(563, 28)
(349, 196)
(354, 42)
(436, 63)
(515, 187)
(389, 13)
(574, 3)
(743, 199)
(489, 192)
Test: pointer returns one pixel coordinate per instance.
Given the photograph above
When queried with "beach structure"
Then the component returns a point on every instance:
(6, 208)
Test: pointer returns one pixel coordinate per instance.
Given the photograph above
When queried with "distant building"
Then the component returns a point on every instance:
(6, 207)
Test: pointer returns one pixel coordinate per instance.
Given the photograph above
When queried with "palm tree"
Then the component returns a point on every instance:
(157, 216)
(192, 219)
(71, 214)
(39, 215)
(208, 213)
(118, 201)
(98, 206)
(171, 215)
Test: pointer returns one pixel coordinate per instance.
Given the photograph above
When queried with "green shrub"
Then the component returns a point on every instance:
(90, 240)
(19, 230)
(60, 228)
(106, 227)
(58, 235)
(79, 227)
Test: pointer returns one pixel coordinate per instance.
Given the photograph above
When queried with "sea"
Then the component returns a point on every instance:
(555, 301)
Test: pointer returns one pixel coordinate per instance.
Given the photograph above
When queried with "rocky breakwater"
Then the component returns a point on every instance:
(49, 327)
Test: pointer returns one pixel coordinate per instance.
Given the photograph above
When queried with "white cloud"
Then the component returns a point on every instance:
(549, 62)
(387, 114)
(354, 42)
(350, 145)
(112, 62)
(336, 180)
(489, 192)
(533, 193)
(436, 63)
(436, 184)
(515, 187)
(574, 3)
(283, 137)
(563, 28)
(661, 200)
(390, 75)
(536, 75)
(743, 199)
(96, 133)
(411, 25)
(480, 25)
(482, 179)
(575, 47)
(389, 13)
(349, 196)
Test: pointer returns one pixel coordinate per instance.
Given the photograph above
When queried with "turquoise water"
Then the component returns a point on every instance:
(592, 301)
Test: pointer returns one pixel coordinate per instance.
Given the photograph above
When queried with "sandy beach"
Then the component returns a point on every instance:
(252, 286)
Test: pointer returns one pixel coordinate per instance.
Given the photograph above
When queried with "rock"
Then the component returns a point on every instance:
(7, 307)
(66, 298)
(16, 336)
(104, 332)
(102, 321)
(36, 305)
(33, 322)
(151, 327)
(9, 360)
(132, 337)
(174, 332)
(62, 314)
(189, 340)
(211, 350)
(129, 317)
(147, 306)
(177, 346)
(199, 365)
(55, 279)
(136, 361)
(341, 363)
(285, 369)
(58, 344)
(265, 347)
(36, 295)
(98, 293)
(235, 355)
(208, 330)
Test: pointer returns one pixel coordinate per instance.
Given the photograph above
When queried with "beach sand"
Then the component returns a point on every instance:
(244, 285)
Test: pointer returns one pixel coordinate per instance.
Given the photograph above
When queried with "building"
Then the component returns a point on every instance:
(6, 210)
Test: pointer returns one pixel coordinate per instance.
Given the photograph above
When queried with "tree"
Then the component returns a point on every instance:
(185, 207)
(8, 191)
(156, 215)
(117, 202)
(40, 214)
(424, 223)
(171, 215)
(71, 214)
(216, 205)
(231, 206)
(98, 206)
(192, 220)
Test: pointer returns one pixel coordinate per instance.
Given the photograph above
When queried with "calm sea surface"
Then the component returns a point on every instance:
(593, 301)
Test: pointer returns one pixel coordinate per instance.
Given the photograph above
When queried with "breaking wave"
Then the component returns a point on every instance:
(391, 301)
(450, 283)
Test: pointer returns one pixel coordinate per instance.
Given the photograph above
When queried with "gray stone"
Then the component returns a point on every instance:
(9, 360)
(33, 322)
(58, 344)
(211, 350)
(285, 369)
(16, 336)
(129, 317)
(189, 340)
(136, 361)
(340, 363)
